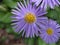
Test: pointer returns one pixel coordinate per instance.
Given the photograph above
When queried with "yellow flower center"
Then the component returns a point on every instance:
(30, 18)
(49, 31)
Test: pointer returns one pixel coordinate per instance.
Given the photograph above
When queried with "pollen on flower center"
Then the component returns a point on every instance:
(49, 31)
(30, 18)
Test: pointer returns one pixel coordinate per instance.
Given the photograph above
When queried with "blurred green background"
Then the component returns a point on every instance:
(6, 29)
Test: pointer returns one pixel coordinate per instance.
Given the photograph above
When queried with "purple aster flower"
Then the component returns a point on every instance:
(27, 18)
(47, 3)
(50, 32)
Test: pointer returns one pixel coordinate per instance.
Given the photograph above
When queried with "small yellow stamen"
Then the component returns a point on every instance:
(49, 31)
(30, 18)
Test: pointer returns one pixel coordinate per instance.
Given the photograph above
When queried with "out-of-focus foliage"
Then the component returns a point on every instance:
(5, 18)
(5, 21)
(54, 14)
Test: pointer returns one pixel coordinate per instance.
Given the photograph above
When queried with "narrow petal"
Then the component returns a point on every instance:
(51, 4)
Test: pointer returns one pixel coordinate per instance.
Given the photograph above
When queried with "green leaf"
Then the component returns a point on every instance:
(5, 17)
(54, 14)
(40, 42)
(16, 0)
(9, 30)
(52, 44)
(3, 8)
(1, 24)
(10, 3)
(29, 41)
